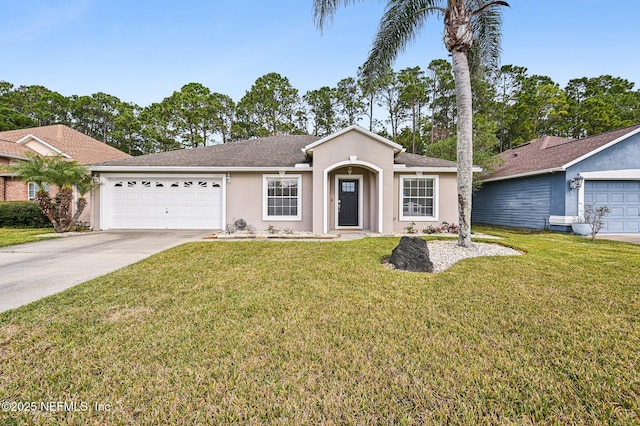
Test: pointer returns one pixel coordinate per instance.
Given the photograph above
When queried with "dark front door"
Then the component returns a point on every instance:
(348, 202)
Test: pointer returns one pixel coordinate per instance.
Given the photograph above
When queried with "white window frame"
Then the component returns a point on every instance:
(436, 203)
(265, 188)
(33, 187)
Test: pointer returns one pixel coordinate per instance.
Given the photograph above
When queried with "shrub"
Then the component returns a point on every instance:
(446, 228)
(22, 214)
(594, 216)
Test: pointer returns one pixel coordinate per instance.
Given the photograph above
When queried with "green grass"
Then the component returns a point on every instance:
(322, 333)
(11, 236)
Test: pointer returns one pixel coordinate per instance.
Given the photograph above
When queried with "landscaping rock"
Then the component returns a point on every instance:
(411, 254)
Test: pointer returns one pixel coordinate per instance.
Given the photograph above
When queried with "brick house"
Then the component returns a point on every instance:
(48, 141)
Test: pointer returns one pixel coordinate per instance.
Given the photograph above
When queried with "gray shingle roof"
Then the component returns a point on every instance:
(551, 153)
(273, 151)
(415, 160)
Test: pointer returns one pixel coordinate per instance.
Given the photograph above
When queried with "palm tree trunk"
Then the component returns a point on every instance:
(80, 205)
(44, 202)
(64, 201)
(465, 144)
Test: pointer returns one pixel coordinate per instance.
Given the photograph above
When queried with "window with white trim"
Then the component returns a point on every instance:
(33, 190)
(418, 200)
(282, 198)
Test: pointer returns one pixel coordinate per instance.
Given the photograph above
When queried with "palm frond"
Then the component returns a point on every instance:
(487, 23)
(398, 28)
(31, 170)
(324, 10)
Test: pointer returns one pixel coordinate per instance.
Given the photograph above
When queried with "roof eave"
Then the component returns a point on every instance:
(602, 148)
(430, 169)
(520, 175)
(197, 169)
(15, 157)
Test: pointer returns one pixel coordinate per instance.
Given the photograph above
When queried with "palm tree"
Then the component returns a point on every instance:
(471, 31)
(62, 174)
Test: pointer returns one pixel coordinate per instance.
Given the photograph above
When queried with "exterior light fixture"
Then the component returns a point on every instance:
(228, 177)
(576, 182)
(349, 170)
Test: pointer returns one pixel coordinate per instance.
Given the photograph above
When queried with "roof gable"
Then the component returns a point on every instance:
(353, 128)
(552, 154)
(41, 147)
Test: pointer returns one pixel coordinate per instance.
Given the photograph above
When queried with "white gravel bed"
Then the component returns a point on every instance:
(444, 254)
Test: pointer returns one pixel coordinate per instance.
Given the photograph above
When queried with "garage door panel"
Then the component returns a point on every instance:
(623, 200)
(616, 197)
(171, 203)
(601, 198)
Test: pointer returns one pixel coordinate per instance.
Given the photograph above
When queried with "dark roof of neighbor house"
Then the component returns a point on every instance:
(272, 151)
(550, 153)
(80, 147)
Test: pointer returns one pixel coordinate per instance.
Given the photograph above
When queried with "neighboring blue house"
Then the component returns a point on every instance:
(547, 182)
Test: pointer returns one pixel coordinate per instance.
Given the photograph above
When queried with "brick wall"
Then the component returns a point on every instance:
(15, 190)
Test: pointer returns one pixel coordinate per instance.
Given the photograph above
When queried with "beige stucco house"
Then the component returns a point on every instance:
(351, 180)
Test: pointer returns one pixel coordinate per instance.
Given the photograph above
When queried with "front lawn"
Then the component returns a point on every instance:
(13, 236)
(322, 333)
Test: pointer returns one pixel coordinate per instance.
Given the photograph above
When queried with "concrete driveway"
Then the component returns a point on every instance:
(32, 271)
(627, 238)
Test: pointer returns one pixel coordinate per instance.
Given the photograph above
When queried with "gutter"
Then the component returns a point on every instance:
(186, 169)
(534, 173)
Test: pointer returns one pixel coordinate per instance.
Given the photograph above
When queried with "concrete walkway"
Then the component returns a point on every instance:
(29, 272)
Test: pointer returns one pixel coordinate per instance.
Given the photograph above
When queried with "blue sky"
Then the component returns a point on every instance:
(142, 51)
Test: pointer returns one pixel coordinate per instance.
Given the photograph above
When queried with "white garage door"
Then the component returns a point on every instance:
(166, 203)
(623, 199)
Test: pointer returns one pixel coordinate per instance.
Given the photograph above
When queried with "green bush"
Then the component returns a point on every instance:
(22, 214)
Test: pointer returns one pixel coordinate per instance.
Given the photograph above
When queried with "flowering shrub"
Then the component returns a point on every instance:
(445, 228)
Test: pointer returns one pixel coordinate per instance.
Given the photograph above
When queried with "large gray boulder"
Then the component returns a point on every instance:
(411, 254)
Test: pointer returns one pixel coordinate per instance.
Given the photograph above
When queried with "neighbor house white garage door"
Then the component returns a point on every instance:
(623, 199)
(165, 203)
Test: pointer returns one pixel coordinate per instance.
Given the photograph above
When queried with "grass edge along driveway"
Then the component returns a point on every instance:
(322, 333)
(14, 236)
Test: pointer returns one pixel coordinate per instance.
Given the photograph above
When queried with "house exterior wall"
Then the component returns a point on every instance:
(358, 150)
(624, 155)
(15, 190)
(521, 203)
(245, 199)
(447, 202)
(93, 208)
(85, 216)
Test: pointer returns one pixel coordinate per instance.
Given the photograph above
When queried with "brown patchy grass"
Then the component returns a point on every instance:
(322, 333)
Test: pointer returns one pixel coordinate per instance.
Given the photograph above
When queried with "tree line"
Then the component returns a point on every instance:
(414, 107)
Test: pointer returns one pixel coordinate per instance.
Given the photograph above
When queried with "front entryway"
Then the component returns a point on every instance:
(349, 202)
